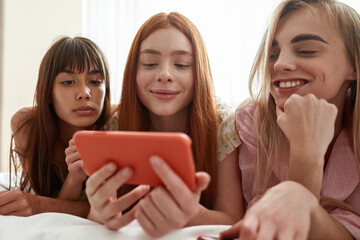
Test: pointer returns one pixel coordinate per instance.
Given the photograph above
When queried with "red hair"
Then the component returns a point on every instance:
(202, 122)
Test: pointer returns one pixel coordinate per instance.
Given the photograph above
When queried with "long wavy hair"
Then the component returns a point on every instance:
(202, 123)
(39, 171)
(270, 136)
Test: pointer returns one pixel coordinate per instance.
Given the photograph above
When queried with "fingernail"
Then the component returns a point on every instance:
(126, 172)
(111, 167)
(154, 160)
(144, 187)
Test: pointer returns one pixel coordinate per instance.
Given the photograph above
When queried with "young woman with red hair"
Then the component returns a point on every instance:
(167, 86)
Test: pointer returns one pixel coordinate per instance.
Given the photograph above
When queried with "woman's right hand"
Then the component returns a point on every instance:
(309, 125)
(307, 122)
(101, 190)
(284, 213)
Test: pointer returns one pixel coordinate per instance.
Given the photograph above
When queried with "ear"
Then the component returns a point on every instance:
(352, 75)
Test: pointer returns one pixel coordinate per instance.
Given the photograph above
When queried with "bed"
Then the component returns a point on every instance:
(64, 226)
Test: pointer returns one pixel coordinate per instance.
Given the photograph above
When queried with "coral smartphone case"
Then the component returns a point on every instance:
(133, 149)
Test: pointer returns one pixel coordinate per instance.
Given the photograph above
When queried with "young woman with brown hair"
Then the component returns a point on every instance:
(72, 94)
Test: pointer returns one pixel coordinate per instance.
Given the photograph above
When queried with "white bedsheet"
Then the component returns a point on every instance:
(68, 227)
(64, 226)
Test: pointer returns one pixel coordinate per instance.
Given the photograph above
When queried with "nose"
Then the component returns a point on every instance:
(83, 92)
(284, 63)
(165, 74)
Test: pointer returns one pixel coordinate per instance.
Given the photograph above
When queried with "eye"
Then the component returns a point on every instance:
(182, 65)
(96, 82)
(149, 65)
(273, 56)
(307, 52)
(67, 82)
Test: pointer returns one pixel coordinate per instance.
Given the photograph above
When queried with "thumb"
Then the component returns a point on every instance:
(202, 182)
(279, 112)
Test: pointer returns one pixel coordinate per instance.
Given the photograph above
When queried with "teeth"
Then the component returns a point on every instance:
(290, 84)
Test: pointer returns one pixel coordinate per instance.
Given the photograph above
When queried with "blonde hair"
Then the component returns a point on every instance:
(202, 123)
(270, 136)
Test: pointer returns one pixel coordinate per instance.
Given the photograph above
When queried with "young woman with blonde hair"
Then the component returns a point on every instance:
(300, 158)
(167, 86)
(72, 94)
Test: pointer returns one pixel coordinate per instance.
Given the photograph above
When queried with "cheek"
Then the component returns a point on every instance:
(101, 92)
(142, 79)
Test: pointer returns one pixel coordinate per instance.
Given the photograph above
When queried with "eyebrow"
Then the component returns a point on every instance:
(303, 37)
(176, 52)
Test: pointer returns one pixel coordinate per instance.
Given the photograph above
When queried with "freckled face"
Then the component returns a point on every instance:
(309, 56)
(164, 77)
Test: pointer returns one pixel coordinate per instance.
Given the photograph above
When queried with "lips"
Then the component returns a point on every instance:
(164, 94)
(84, 110)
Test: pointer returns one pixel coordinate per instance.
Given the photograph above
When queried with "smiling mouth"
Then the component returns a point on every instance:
(161, 92)
(290, 84)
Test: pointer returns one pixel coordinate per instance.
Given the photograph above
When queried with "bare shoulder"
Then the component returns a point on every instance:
(20, 118)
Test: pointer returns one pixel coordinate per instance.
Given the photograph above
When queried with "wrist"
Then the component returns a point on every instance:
(72, 180)
(93, 217)
(306, 158)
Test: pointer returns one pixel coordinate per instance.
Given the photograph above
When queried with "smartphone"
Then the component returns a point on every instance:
(133, 149)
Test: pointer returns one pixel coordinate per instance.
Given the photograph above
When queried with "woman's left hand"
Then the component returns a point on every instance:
(166, 209)
(76, 174)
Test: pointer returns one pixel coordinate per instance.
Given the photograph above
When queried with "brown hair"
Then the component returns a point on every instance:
(202, 124)
(39, 172)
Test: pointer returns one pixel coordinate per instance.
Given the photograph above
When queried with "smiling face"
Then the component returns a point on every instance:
(164, 77)
(307, 56)
(78, 98)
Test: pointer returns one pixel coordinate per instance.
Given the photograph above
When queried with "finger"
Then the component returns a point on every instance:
(249, 227)
(99, 177)
(170, 179)
(119, 220)
(71, 142)
(202, 182)
(279, 112)
(124, 202)
(10, 207)
(300, 235)
(169, 215)
(71, 149)
(286, 233)
(153, 212)
(76, 166)
(267, 231)
(109, 187)
(232, 232)
(6, 197)
(145, 222)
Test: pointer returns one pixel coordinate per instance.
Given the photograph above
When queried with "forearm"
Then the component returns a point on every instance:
(211, 217)
(323, 226)
(47, 204)
(307, 170)
(70, 190)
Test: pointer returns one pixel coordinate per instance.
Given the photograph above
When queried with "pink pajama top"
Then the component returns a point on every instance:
(340, 180)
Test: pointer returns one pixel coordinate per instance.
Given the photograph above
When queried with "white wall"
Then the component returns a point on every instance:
(29, 28)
